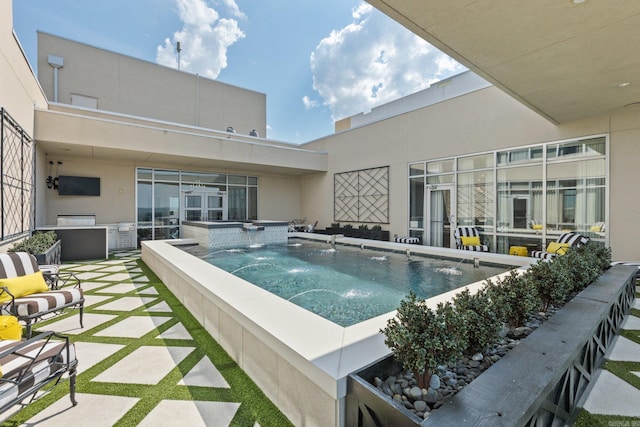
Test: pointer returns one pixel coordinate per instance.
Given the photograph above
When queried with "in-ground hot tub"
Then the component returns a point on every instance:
(300, 360)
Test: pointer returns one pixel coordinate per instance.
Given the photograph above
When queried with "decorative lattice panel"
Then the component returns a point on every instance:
(17, 181)
(362, 196)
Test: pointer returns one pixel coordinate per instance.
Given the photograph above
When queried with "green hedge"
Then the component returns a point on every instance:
(422, 338)
(38, 243)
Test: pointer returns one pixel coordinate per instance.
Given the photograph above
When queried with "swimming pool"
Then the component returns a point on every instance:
(345, 284)
(290, 352)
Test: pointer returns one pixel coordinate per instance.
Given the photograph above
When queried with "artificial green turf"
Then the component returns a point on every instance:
(254, 405)
(586, 419)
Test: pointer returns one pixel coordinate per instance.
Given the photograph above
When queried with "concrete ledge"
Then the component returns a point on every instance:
(541, 381)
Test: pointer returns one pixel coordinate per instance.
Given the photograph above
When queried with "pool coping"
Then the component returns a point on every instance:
(255, 326)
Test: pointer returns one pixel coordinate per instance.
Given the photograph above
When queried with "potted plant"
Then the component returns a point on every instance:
(334, 229)
(45, 246)
(348, 230)
(361, 231)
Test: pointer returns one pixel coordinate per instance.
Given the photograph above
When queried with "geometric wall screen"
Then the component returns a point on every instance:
(362, 196)
(17, 195)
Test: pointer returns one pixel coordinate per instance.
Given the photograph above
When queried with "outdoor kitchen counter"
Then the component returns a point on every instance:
(81, 243)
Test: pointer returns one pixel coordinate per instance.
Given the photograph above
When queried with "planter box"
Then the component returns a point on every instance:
(540, 382)
(334, 230)
(51, 256)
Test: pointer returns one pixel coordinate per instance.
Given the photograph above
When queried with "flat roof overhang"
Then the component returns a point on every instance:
(565, 59)
(77, 132)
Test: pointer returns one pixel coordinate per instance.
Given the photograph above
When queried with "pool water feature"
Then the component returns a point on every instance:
(345, 284)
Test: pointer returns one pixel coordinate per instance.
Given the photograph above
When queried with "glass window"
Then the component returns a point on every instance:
(519, 199)
(475, 199)
(145, 174)
(440, 166)
(583, 148)
(237, 203)
(166, 196)
(159, 199)
(540, 191)
(475, 162)
(520, 155)
(440, 179)
(237, 180)
(203, 178)
(416, 169)
(416, 202)
(252, 202)
(161, 175)
(576, 195)
(145, 204)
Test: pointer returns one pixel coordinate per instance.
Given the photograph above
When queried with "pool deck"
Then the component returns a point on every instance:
(116, 287)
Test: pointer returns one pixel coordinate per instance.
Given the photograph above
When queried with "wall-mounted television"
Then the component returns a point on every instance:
(78, 186)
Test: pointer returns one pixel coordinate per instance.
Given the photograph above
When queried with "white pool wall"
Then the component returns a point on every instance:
(298, 359)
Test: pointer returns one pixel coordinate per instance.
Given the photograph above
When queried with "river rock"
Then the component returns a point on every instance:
(477, 357)
(415, 393)
(420, 405)
(435, 382)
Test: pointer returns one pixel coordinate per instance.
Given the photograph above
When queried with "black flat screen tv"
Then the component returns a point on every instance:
(78, 186)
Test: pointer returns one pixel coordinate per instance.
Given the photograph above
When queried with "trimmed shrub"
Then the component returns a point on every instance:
(515, 297)
(423, 339)
(36, 244)
(483, 323)
(552, 281)
(582, 265)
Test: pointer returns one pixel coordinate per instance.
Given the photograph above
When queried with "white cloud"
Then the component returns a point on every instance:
(204, 39)
(374, 60)
(234, 9)
(308, 102)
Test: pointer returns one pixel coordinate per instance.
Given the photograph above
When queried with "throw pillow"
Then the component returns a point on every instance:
(471, 241)
(558, 248)
(22, 286)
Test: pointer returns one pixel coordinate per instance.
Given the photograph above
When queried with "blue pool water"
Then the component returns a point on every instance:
(344, 284)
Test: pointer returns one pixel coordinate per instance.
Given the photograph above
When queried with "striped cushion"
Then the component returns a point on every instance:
(477, 248)
(542, 254)
(572, 238)
(14, 264)
(43, 302)
(412, 240)
(30, 365)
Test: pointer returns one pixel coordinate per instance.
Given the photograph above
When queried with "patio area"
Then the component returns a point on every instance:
(144, 360)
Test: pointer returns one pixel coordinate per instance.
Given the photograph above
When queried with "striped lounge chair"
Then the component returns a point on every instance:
(28, 366)
(31, 308)
(571, 239)
(409, 240)
(468, 239)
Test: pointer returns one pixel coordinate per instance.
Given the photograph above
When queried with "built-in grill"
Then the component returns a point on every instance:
(82, 220)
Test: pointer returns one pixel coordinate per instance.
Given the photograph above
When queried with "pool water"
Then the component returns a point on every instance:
(344, 284)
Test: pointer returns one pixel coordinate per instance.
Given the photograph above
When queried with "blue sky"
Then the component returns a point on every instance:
(316, 60)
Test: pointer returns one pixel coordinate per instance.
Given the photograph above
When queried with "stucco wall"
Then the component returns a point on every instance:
(19, 89)
(117, 191)
(131, 86)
